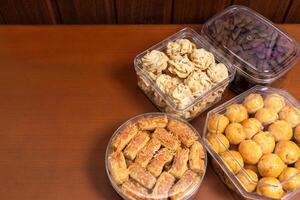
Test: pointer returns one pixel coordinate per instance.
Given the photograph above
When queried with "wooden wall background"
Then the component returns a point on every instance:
(136, 11)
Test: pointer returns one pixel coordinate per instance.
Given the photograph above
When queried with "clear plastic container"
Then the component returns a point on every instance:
(261, 52)
(164, 102)
(189, 192)
(228, 177)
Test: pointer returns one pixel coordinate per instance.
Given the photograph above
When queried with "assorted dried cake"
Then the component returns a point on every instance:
(182, 72)
(257, 138)
(156, 157)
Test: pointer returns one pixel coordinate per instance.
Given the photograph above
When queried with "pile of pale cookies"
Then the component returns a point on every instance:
(183, 72)
(156, 158)
(258, 140)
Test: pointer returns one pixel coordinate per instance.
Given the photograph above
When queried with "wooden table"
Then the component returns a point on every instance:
(63, 92)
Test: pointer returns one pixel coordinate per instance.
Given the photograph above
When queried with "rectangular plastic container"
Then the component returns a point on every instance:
(261, 52)
(219, 166)
(253, 49)
(166, 104)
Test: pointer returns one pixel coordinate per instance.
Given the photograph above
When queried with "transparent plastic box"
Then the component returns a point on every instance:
(189, 193)
(165, 103)
(253, 49)
(261, 52)
(227, 176)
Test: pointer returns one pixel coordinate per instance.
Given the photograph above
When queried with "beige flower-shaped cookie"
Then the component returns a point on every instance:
(181, 66)
(202, 58)
(155, 62)
(152, 75)
(182, 95)
(198, 82)
(217, 73)
(180, 47)
(167, 83)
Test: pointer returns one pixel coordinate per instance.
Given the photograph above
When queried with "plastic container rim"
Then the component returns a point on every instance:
(268, 78)
(217, 157)
(204, 44)
(134, 120)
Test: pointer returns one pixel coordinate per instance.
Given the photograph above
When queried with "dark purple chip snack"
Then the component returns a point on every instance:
(262, 53)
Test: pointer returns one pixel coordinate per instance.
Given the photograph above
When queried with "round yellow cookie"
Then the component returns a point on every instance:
(275, 102)
(266, 141)
(270, 187)
(291, 178)
(236, 113)
(235, 133)
(250, 151)
(218, 142)
(288, 151)
(281, 130)
(253, 102)
(266, 116)
(233, 160)
(290, 114)
(217, 123)
(270, 165)
(251, 127)
(248, 179)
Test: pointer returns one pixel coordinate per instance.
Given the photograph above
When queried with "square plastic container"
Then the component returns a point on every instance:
(229, 178)
(261, 52)
(166, 104)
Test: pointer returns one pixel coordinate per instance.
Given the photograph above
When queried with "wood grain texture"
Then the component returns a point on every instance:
(64, 91)
(293, 15)
(27, 12)
(272, 9)
(197, 11)
(136, 11)
(53, 10)
(1, 19)
(86, 12)
(144, 11)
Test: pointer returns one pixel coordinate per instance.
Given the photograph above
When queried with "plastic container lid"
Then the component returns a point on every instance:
(259, 49)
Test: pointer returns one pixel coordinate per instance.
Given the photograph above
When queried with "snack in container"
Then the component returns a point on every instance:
(250, 151)
(290, 114)
(270, 165)
(235, 133)
(236, 113)
(156, 156)
(297, 134)
(183, 75)
(251, 127)
(218, 142)
(266, 116)
(266, 141)
(264, 165)
(288, 151)
(281, 130)
(261, 52)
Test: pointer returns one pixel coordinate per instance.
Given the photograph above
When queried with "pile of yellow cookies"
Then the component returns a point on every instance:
(258, 140)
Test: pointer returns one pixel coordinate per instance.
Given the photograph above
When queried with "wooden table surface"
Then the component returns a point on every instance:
(63, 92)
